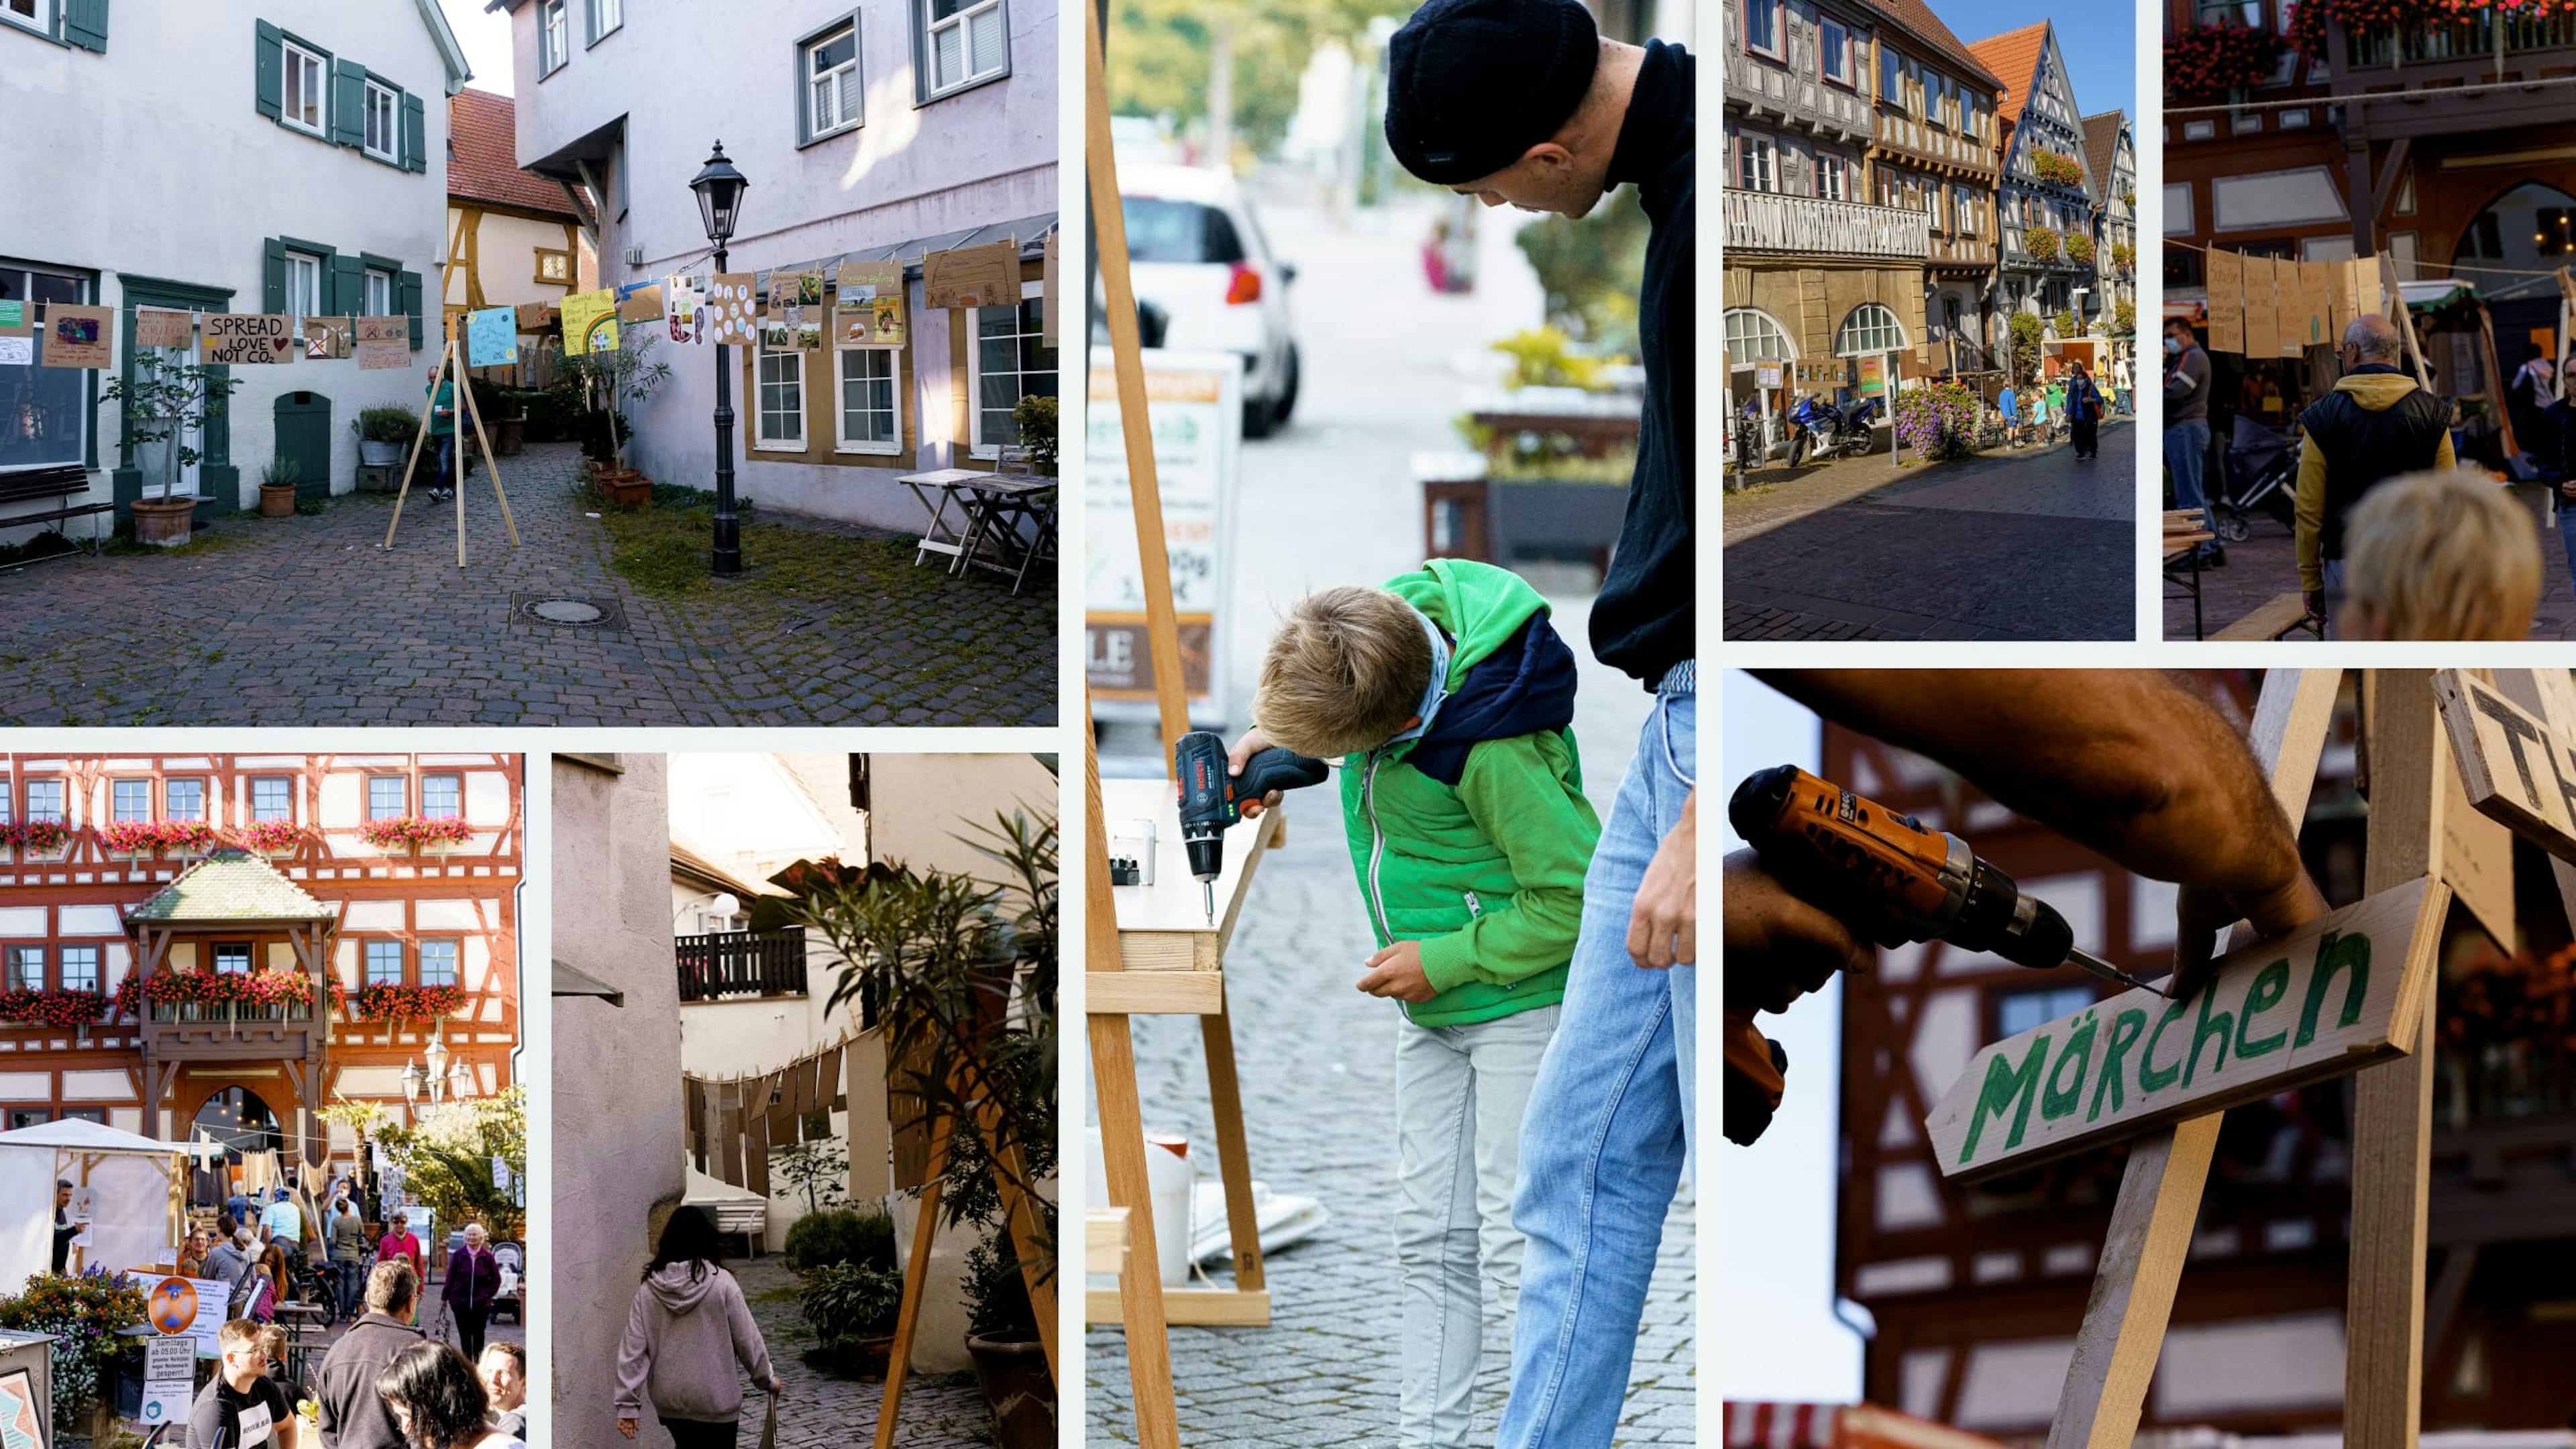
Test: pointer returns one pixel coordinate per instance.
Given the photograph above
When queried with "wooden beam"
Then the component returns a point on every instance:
(1233, 1153)
(2546, 694)
(1189, 1307)
(2151, 1222)
(1153, 993)
(916, 1278)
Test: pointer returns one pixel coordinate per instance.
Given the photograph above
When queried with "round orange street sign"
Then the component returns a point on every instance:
(174, 1305)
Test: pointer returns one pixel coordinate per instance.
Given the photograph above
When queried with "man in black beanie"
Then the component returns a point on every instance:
(1525, 102)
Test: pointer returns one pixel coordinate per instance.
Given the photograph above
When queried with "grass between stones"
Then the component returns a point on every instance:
(663, 551)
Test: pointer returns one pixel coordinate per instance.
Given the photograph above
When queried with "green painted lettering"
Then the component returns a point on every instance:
(2125, 1031)
(2270, 985)
(2203, 1029)
(2336, 951)
(2056, 1101)
(2006, 1086)
(2152, 1078)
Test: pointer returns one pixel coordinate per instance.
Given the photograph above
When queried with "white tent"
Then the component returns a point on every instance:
(141, 1186)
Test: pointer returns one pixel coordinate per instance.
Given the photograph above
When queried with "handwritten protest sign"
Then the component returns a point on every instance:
(239, 338)
(536, 316)
(78, 337)
(2334, 996)
(2226, 302)
(590, 322)
(1047, 272)
(328, 339)
(492, 337)
(980, 276)
(868, 311)
(383, 342)
(160, 327)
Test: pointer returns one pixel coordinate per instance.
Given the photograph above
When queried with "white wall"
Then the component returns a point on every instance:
(504, 248)
(153, 158)
(923, 803)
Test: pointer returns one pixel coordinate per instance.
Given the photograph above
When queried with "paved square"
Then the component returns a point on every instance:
(818, 1411)
(307, 621)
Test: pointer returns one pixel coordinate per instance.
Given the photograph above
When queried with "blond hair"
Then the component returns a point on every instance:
(2441, 555)
(1344, 673)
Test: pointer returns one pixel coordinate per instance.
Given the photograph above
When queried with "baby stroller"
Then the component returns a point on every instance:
(2262, 474)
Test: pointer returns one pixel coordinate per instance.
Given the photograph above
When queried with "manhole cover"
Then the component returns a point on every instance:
(568, 613)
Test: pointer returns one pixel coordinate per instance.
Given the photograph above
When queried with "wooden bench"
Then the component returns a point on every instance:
(2183, 536)
(2277, 616)
(63, 482)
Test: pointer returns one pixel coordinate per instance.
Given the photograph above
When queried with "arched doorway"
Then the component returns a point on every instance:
(237, 1118)
(1756, 343)
(2528, 228)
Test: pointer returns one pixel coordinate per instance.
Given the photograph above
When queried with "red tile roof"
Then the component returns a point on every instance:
(2102, 148)
(482, 157)
(1916, 16)
(2013, 55)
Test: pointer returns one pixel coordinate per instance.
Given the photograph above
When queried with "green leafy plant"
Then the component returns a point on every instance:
(997, 1296)
(85, 1315)
(2079, 248)
(848, 1301)
(2025, 343)
(281, 473)
(1939, 421)
(840, 1235)
(1546, 357)
(446, 1160)
(2058, 169)
(614, 381)
(1033, 418)
(165, 401)
(1589, 271)
(386, 425)
(816, 1169)
(2124, 318)
(2042, 243)
(2065, 322)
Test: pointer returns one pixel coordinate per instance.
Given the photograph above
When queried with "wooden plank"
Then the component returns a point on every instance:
(1189, 1307)
(2320, 1002)
(2548, 694)
(2517, 766)
(2393, 1102)
(916, 1278)
(1233, 1155)
(1153, 993)
(2159, 1202)
(1104, 1242)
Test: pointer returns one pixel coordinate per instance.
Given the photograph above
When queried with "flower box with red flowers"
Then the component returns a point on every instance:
(2079, 247)
(65, 1009)
(148, 837)
(416, 832)
(2217, 59)
(36, 837)
(274, 994)
(2040, 243)
(383, 1002)
(271, 837)
(2056, 169)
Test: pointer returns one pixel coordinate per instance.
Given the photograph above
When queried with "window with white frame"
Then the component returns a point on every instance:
(438, 963)
(384, 123)
(552, 36)
(1010, 358)
(129, 801)
(962, 41)
(605, 16)
(1833, 176)
(37, 15)
(44, 411)
(45, 802)
(80, 968)
(442, 797)
(272, 797)
(1757, 164)
(183, 799)
(871, 409)
(232, 958)
(1753, 336)
(387, 797)
(782, 401)
(1834, 49)
(831, 80)
(384, 964)
(306, 97)
(1762, 27)
(303, 284)
(26, 968)
(380, 293)
(1870, 328)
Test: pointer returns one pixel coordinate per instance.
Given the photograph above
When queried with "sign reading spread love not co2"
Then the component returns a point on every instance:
(2332, 997)
(246, 337)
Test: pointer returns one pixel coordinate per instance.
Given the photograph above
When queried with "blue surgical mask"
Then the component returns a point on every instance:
(1438, 689)
(2172, 346)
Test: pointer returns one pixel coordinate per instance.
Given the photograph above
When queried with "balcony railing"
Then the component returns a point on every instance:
(1761, 221)
(226, 1013)
(741, 963)
(2470, 38)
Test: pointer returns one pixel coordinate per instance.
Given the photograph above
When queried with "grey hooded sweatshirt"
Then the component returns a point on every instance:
(687, 1330)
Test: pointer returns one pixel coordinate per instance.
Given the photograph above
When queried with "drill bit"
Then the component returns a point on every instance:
(2108, 972)
(1210, 888)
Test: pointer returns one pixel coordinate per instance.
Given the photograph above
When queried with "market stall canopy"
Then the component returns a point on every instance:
(230, 887)
(1030, 231)
(2432, 294)
(131, 1174)
(80, 1135)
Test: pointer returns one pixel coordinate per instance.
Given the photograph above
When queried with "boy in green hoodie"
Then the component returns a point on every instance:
(1451, 701)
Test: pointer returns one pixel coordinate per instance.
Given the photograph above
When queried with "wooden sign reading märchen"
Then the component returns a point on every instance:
(2334, 996)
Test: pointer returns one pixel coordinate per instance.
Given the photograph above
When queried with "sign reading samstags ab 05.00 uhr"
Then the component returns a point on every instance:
(2334, 996)
(246, 337)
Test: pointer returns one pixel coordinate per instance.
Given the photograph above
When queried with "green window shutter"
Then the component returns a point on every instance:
(344, 286)
(271, 70)
(408, 284)
(85, 24)
(272, 276)
(415, 135)
(348, 103)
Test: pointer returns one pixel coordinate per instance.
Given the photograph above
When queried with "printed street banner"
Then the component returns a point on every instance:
(241, 338)
(869, 309)
(383, 342)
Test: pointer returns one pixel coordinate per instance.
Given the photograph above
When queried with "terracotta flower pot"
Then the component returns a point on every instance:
(163, 522)
(1018, 1389)
(277, 500)
(628, 490)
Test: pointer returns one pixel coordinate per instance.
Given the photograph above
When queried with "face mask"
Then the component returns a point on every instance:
(2172, 346)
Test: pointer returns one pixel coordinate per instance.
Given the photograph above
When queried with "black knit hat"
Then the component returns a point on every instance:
(1473, 84)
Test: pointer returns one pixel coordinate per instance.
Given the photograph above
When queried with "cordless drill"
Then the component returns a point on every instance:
(1894, 881)
(1210, 798)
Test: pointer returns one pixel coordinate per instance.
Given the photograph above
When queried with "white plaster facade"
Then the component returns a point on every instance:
(120, 198)
(636, 112)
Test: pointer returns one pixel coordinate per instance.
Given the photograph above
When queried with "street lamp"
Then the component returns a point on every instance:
(719, 188)
(411, 1080)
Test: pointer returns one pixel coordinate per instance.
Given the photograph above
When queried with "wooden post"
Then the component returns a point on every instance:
(491, 460)
(2405, 320)
(916, 1277)
(456, 447)
(1233, 1153)
(418, 438)
(2160, 1191)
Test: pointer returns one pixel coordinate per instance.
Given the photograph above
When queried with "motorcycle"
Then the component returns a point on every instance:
(1825, 432)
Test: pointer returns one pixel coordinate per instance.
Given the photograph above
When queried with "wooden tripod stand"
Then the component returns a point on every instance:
(451, 368)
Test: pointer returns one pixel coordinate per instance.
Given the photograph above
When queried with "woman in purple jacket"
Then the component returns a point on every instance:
(473, 1281)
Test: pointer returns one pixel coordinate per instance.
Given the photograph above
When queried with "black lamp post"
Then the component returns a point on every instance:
(719, 188)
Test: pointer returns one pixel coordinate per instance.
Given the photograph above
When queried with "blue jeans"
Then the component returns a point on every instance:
(352, 1285)
(1609, 1126)
(445, 443)
(2187, 454)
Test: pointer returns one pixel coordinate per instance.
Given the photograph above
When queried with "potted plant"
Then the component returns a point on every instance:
(383, 434)
(277, 487)
(613, 380)
(1034, 419)
(495, 405)
(1002, 1338)
(167, 401)
(852, 1308)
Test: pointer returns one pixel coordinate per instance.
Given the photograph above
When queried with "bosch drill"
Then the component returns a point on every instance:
(1211, 799)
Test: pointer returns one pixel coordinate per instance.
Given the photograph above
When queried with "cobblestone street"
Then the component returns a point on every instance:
(307, 621)
(2033, 544)
(944, 1411)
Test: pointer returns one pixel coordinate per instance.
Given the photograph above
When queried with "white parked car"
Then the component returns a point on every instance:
(1197, 253)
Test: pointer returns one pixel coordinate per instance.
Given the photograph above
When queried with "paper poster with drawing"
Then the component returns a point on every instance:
(244, 338)
(78, 337)
(684, 308)
(733, 305)
(383, 342)
(17, 351)
(492, 337)
(328, 339)
(869, 310)
(590, 322)
(160, 327)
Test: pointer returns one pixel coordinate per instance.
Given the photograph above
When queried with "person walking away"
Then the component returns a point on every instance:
(349, 1254)
(2445, 554)
(473, 1281)
(1450, 702)
(2187, 380)
(686, 1330)
(239, 1205)
(2084, 411)
(504, 1371)
(433, 1394)
(242, 1407)
(2376, 424)
(1522, 101)
(2120, 386)
(353, 1415)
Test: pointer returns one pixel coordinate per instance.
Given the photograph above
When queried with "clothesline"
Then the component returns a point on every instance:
(2349, 98)
(2446, 266)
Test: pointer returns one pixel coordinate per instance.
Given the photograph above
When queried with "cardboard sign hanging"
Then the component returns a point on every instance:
(733, 305)
(78, 337)
(2226, 302)
(640, 304)
(795, 289)
(2262, 309)
(2307, 325)
(979, 276)
(242, 338)
(328, 338)
(383, 342)
(492, 337)
(16, 318)
(2365, 287)
(160, 327)
(1046, 273)
(590, 322)
(536, 316)
(867, 307)
(2339, 300)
